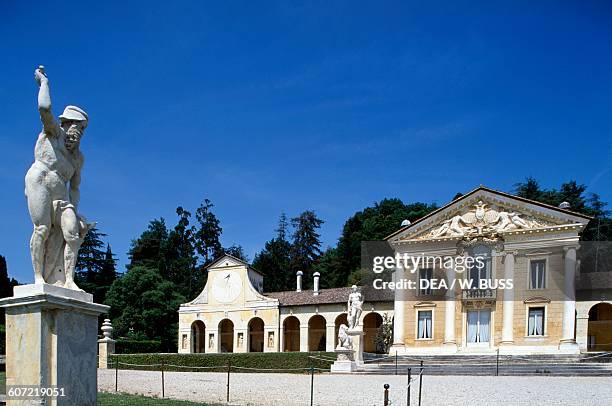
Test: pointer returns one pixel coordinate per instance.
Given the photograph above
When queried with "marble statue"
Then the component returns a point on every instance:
(344, 340)
(355, 301)
(52, 191)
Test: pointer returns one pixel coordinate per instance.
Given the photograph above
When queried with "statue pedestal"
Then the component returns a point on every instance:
(349, 360)
(51, 335)
(357, 340)
(345, 362)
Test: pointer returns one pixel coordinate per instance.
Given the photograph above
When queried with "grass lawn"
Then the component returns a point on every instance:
(2, 382)
(112, 399)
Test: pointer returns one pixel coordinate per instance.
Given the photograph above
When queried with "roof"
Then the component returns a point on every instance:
(484, 188)
(334, 295)
(241, 261)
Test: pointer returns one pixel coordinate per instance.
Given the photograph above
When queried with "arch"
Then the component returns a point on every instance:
(599, 335)
(198, 337)
(291, 334)
(341, 319)
(371, 323)
(226, 336)
(316, 333)
(256, 335)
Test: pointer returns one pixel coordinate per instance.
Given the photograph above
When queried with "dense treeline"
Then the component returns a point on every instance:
(167, 265)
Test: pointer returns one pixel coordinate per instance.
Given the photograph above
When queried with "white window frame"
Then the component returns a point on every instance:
(544, 321)
(416, 330)
(531, 261)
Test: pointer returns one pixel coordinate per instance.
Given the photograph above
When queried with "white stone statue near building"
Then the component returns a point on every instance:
(52, 191)
(355, 302)
(344, 341)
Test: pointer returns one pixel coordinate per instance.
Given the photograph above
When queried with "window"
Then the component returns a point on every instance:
(537, 274)
(425, 324)
(481, 267)
(535, 322)
(425, 274)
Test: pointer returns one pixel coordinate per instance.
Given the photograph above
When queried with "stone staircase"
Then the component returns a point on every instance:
(509, 365)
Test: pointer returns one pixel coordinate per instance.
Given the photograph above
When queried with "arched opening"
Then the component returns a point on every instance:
(256, 335)
(198, 337)
(371, 324)
(226, 336)
(600, 328)
(340, 320)
(291, 334)
(316, 333)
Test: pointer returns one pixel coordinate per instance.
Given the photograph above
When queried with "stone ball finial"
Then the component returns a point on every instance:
(299, 273)
(107, 329)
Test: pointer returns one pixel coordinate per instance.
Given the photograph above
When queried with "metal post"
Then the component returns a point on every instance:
(395, 362)
(386, 399)
(116, 371)
(408, 391)
(162, 372)
(497, 365)
(229, 367)
(420, 382)
(311, 385)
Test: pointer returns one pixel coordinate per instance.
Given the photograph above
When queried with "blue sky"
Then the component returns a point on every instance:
(288, 106)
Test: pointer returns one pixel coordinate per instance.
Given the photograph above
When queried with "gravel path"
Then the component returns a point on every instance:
(363, 390)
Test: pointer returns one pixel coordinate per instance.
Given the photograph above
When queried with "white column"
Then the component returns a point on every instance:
(449, 311)
(569, 305)
(281, 339)
(330, 337)
(304, 337)
(508, 304)
(398, 311)
(582, 328)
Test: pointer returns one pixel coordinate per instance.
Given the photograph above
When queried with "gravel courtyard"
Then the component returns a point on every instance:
(362, 390)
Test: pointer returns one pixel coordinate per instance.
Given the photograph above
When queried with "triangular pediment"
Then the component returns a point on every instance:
(486, 212)
(227, 261)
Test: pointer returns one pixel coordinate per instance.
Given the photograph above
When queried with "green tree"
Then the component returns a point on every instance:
(106, 276)
(6, 289)
(149, 249)
(342, 266)
(142, 301)
(6, 284)
(306, 244)
(181, 256)
(236, 251)
(275, 260)
(208, 233)
(90, 260)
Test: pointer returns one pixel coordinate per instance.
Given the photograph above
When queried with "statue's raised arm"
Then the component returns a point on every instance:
(44, 102)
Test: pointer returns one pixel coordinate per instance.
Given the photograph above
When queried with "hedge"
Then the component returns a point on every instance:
(260, 362)
(128, 346)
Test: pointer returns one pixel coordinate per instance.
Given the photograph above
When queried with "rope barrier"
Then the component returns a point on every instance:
(194, 367)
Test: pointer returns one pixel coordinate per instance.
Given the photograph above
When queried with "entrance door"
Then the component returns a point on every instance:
(478, 327)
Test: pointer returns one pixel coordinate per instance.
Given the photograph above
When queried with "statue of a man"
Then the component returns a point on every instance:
(52, 190)
(355, 302)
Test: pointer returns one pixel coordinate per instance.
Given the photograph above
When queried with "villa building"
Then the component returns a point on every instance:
(534, 245)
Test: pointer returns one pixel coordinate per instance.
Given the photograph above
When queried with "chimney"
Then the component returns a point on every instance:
(316, 283)
(299, 281)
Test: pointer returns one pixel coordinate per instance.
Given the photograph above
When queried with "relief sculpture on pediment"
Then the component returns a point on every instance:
(484, 220)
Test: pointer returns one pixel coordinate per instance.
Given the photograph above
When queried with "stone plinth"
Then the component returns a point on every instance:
(345, 362)
(51, 335)
(356, 336)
